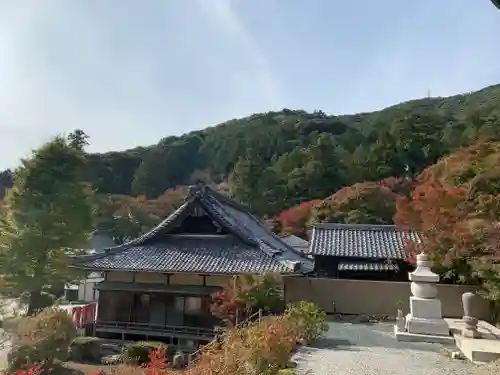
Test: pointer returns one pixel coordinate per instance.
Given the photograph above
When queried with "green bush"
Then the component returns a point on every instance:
(309, 318)
(138, 352)
(42, 338)
(286, 371)
(85, 349)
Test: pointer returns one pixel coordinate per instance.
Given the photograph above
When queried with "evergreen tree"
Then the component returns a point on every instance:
(47, 218)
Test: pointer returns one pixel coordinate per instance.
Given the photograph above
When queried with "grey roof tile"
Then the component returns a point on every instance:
(191, 255)
(360, 241)
(368, 266)
(295, 242)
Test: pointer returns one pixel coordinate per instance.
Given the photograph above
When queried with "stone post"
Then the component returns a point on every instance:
(401, 321)
(425, 315)
(470, 316)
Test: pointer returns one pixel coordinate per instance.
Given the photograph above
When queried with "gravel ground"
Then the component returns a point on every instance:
(371, 349)
(7, 307)
(3, 351)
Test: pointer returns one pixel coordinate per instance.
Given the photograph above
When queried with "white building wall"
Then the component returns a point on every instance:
(86, 291)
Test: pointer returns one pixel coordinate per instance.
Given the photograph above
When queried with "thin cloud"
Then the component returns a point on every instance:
(53, 83)
(129, 74)
(224, 15)
(127, 78)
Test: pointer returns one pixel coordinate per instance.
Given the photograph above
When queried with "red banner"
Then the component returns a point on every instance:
(83, 315)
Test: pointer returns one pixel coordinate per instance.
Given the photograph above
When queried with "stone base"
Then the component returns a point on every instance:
(425, 308)
(404, 336)
(478, 350)
(421, 326)
(470, 333)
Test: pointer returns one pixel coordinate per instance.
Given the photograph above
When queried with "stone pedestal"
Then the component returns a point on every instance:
(425, 317)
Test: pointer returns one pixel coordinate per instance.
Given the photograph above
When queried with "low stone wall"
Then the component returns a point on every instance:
(373, 297)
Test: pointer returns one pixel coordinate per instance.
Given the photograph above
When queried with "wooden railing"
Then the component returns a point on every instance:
(255, 316)
(155, 328)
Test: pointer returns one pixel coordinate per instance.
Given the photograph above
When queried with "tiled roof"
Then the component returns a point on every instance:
(251, 248)
(295, 242)
(211, 255)
(360, 241)
(368, 266)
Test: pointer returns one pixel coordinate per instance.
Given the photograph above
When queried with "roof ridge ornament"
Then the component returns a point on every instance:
(198, 188)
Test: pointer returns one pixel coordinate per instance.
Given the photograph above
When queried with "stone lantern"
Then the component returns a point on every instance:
(425, 315)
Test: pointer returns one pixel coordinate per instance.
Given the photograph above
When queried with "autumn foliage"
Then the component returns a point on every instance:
(41, 339)
(127, 217)
(261, 347)
(456, 208)
(294, 219)
(245, 295)
(361, 203)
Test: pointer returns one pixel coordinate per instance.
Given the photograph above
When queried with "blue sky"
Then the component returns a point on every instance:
(130, 72)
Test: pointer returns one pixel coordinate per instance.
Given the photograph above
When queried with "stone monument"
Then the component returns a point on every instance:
(401, 321)
(470, 317)
(425, 317)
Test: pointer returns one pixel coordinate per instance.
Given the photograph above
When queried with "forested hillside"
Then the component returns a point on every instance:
(279, 159)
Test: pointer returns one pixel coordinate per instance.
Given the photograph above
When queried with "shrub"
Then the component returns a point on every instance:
(271, 343)
(247, 294)
(226, 304)
(262, 292)
(139, 352)
(309, 319)
(42, 338)
(261, 348)
(86, 349)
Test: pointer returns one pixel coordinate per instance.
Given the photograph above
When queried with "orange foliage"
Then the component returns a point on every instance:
(259, 348)
(456, 208)
(361, 203)
(294, 219)
(226, 304)
(127, 217)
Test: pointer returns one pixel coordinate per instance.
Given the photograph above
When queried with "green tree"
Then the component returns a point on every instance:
(169, 164)
(78, 139)
(47, 218)
(245, 180)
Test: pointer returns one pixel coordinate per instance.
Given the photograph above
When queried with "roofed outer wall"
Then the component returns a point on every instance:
(361, 241)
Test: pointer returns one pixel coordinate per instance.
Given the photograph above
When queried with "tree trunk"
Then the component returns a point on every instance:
(35, 302)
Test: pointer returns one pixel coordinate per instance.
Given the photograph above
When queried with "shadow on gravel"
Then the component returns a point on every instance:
(332, 343)
(362, 335)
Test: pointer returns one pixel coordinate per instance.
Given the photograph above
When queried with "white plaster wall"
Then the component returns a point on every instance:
(86, 291)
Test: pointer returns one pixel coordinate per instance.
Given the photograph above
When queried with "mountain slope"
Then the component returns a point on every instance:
(300, 150)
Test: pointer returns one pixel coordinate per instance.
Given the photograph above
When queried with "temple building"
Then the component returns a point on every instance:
(158, 286)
